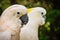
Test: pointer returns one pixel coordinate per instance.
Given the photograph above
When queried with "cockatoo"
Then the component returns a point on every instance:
(36, 19)
(11, 21)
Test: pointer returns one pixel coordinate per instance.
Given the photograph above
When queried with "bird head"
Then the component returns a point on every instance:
(38, 14)
(15, 12)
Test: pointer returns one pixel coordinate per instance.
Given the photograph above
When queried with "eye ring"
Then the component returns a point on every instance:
(18, 12)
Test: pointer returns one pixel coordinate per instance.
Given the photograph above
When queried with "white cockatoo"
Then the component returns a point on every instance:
(36, 19)
(11, 22)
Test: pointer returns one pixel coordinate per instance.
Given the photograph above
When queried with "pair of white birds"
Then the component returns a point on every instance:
(16, 23)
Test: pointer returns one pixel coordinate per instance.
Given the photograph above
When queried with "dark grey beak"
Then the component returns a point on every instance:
(24, 19)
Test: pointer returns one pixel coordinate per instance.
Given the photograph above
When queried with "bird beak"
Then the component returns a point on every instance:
(24, 19)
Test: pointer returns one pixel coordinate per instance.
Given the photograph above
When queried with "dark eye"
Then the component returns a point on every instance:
(18, 12)
(42, 13)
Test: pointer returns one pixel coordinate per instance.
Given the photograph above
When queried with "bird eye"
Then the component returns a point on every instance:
(42, 13)
(18, 12)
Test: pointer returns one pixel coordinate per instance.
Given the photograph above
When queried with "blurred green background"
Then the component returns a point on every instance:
(51, 29)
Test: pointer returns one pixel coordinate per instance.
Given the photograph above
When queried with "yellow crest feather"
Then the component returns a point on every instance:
(29, 9)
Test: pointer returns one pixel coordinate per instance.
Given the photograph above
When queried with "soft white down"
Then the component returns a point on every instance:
(36, 19)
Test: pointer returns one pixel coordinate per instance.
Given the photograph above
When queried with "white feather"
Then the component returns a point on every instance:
(10, 23)
(36, 19)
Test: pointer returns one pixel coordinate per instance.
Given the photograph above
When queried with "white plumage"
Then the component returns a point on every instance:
(10, 22)
(5, 35)
(36, 19)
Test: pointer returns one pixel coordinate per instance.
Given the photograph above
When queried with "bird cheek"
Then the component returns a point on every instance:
(42, 21)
